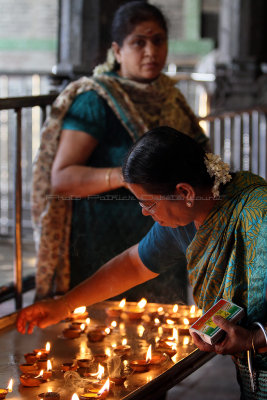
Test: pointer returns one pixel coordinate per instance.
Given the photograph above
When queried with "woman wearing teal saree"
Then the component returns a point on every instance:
(179, 185)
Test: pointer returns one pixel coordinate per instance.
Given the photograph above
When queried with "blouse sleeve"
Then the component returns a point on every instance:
(163, 247)
(88, 114)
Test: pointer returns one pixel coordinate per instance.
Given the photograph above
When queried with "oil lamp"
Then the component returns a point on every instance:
(115, 312)
(142, 365)
(134, 313)
(123, 349)
(4, 392)
(184, 329)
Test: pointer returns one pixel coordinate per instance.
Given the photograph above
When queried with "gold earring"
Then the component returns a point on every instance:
(189, 204)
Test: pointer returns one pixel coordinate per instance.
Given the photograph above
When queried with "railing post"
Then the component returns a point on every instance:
(17, 214)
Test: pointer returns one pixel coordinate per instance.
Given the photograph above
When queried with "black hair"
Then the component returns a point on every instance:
(131, 14)
(164, 157)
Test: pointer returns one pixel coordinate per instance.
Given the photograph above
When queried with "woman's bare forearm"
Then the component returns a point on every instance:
(81, 180)
(116, 276)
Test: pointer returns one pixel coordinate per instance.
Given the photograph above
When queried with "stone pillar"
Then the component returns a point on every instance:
(242, 29)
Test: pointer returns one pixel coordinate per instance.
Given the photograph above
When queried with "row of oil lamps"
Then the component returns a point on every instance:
(38, 367)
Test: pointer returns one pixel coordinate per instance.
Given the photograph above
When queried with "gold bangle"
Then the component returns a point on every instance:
(107, 177)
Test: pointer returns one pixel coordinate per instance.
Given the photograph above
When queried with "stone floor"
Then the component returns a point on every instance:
(213, 381)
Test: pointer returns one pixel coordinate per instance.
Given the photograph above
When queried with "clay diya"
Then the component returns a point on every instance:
(158, 358)
(168, 327)
(29, 380)
(96, 335)
(122, 350)
(115, 312)
(49, 396)
(78, 325)
(184, 328)
(3, 393)
(135, 313)
(42, 363)
(69, 366)
(95, 393)
(30, 358)
(139, 365)
(117, 380)
(100, 358)
(29, 368)
(79, 313)
(84, 362)
(71, 333)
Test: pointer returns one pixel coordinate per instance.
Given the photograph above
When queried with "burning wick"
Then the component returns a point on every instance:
(142, 365)
(142, 303)
(4, 392)
(122, 303)
(175, 308)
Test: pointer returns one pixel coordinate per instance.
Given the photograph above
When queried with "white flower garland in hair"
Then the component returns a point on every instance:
(219, 169)
(108, 65)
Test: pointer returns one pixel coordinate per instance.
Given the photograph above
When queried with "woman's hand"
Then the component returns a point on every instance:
(237, 339)
(41, 314)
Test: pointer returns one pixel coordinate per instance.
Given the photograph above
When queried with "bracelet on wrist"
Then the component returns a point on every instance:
(264, 333)
(107, 177)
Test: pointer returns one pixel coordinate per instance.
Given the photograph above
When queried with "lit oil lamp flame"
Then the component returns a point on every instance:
(79, 310)
(40, 374)
(122, 327)
(75, 396)
(174, 335)
(105, 388)
(186, 322)
(157, 321)
(157, 339)
(160, 309)
(39, 354)
(114, 345)
(142, 303)
(186, 341)
(140, 330)
(175, 308)
(100, 371)
(82, 327)
(83, 348)
(192, 310)
(48, 347)
(87, 321)
(108, 352)
(49, 365)
(149, 354)
(160, 330)
(107, 330)
(113, 324)
(124, 342)
(172, 345)
(10, 386)
(122, 303)
(170, 321)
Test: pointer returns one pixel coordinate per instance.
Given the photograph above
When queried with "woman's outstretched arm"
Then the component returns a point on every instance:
(116, 276)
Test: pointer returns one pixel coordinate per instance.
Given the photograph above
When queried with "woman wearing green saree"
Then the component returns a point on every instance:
(179, 185)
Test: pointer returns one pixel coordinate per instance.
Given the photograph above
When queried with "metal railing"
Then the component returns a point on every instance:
(240, 138)
(17, 104)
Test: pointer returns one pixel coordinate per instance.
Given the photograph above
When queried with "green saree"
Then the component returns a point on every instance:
(228, 259)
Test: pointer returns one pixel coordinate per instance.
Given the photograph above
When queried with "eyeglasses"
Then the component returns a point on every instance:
(148, 208)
